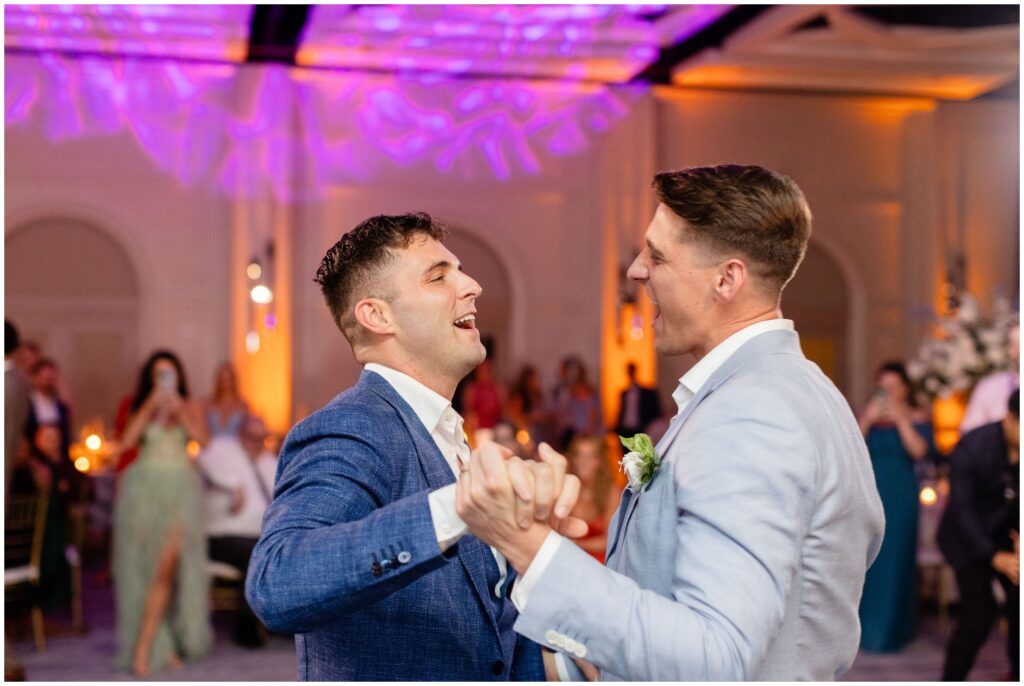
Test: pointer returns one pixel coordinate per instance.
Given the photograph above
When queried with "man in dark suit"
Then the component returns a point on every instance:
(47, 405)
(362, 553)
(638, 406)
(979, 538)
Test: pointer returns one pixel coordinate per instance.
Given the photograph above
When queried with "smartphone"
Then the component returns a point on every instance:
(167, 380)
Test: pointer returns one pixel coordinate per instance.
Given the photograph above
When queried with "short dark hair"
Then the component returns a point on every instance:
(1013, 406)
(11, 338)
(348, 268)
(749, 209)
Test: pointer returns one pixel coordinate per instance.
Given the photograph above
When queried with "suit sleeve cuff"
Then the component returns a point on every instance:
(448, 526)
(525, 583)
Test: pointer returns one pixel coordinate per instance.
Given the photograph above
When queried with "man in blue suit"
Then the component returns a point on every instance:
(740, 549)
(362, 554)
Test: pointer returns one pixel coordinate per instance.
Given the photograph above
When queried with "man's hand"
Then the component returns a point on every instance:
(544, 492)
(1007, 564)
(237, 500)
(486, 502)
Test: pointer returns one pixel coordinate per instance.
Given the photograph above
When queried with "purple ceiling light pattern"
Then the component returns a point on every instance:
(243, 128)
(198, 32)
(602, 43)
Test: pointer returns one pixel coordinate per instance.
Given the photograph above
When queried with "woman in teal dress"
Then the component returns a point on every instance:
(898, 433)
(160, 578)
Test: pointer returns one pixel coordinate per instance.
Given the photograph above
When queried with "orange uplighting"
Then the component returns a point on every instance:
(523, 436)
(93, 442)
(947, 413)
(193, 448)
(928, 496)
(82, 464)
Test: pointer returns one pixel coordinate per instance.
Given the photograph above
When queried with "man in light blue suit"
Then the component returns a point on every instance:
(743, 556)
(362, 554)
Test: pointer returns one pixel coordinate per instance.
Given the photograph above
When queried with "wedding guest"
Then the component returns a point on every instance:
(225, 410)
(159, 549)
(527, 408)
(28, 353)
(505, 436)
(988, 399)
(239, 473)
(638, 406)
(578, 407)
(47, 405)
(51, 472)
(898, 433)
(17, 405)
(980, 538)
(598, 496)
(483, 400)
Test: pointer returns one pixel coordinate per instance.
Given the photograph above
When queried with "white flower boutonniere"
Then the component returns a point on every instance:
(641, 463)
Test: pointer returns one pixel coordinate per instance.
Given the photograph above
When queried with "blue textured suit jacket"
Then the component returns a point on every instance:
(349, 562)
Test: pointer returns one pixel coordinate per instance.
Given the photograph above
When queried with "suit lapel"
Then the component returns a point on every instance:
(784, 342)
(474, 555)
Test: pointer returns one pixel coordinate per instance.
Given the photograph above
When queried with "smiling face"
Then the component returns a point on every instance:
(679, 281)
(433, 312)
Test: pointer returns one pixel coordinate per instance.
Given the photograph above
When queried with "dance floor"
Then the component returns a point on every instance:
(71, 657)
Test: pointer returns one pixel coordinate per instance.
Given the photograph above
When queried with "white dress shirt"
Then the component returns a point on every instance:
(689, 385)
(225, 466)
(445, 426)
(47, 410)
(989, 400)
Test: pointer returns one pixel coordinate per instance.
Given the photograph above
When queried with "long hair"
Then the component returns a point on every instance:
(145, 384)
(603, 478)
(219, 391)
(899, 369)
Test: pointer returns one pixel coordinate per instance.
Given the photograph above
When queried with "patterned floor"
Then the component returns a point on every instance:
(87, 657)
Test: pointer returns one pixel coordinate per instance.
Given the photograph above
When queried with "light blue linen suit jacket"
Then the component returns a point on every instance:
(348, 559)
(744, 558)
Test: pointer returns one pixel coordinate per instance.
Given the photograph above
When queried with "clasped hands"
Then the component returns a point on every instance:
(511, 503)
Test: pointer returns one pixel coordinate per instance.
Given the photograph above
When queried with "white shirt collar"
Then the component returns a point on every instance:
(428, 405)
(692, 381)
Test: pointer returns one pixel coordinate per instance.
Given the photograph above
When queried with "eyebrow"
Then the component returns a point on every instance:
(442, 264)
(653, 248)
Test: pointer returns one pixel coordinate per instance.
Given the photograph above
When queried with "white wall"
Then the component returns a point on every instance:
(876, 173)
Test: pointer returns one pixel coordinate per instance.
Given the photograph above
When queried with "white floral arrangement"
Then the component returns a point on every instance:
(966, 348)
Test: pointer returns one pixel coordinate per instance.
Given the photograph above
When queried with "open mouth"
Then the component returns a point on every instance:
(467, 322)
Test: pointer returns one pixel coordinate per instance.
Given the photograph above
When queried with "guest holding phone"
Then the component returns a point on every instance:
(159, 544)
(898, 432)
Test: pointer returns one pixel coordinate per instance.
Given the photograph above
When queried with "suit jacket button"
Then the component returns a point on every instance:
(498, 668)
(404, 557)
(376, 569)
(551, 636)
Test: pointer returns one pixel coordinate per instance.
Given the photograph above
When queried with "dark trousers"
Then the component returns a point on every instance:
(236, 551)
(978, 610)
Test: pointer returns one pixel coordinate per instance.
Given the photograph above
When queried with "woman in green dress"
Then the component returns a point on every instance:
(898, 433)
(160, 578)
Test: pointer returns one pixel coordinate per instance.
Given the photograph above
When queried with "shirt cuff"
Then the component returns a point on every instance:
(561, 667)
(525, 583)
(448, 525)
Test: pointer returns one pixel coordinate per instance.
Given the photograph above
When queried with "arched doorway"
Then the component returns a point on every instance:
(818, 302)
(73, 289)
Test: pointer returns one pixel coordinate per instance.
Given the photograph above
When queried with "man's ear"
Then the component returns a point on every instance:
(730, 279)
(374, 315)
